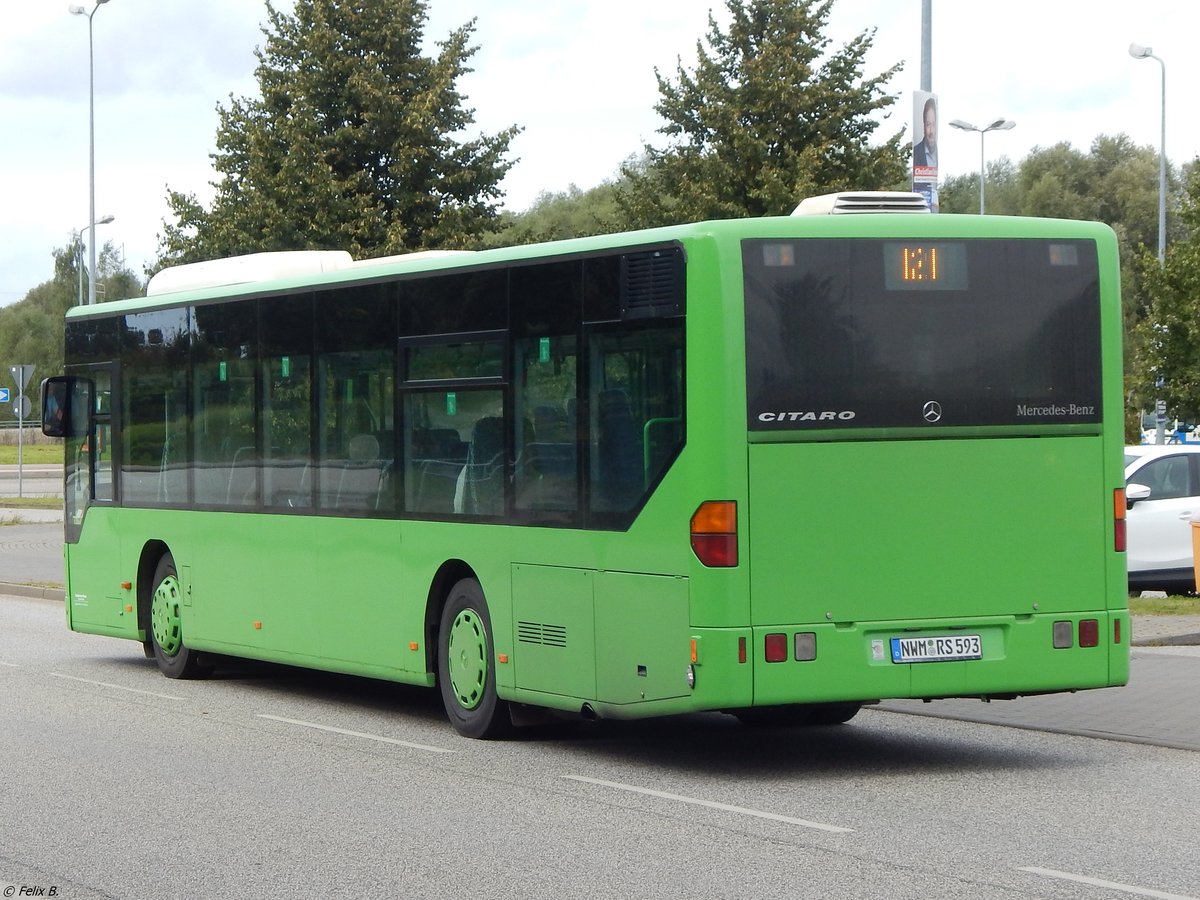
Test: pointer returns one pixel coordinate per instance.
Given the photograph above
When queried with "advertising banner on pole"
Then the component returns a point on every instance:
(925, 146)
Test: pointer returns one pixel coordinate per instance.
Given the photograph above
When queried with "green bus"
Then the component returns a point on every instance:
(776, 467)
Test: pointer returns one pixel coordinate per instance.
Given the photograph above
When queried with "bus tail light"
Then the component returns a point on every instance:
(1089, 633)
(775, 647)
(714, 533)
(1119, 506)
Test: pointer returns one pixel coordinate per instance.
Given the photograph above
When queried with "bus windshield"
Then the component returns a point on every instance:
(869, 333)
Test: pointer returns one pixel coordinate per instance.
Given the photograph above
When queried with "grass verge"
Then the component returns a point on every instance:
(31, 502)
(1164, 606)
(36, 454)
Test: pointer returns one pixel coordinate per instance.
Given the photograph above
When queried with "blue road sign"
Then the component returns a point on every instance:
(3, 395)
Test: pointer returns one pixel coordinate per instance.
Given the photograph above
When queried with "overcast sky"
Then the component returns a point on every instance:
(577, 75)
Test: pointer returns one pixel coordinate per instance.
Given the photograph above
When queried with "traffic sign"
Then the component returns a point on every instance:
(21, 375)
(4, 395)
(22, 407)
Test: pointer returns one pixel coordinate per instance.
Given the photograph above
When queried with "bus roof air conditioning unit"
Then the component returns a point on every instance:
(244, 269)
(862, 202)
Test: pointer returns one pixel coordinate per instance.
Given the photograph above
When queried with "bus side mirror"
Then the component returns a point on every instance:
(66, 406)
(1134, 493)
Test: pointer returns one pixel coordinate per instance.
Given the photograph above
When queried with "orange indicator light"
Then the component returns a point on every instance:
(126, 585)
(503, 658)
(258, 626)
(413, 645)
(714, 533)
(694, 650)
(1119, 506)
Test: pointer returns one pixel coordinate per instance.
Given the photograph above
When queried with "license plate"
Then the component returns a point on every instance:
(936, 649)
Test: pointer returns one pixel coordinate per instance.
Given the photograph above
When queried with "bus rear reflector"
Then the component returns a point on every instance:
(775, 647)
(1089, 633)
(1119, 507)
(714, 533)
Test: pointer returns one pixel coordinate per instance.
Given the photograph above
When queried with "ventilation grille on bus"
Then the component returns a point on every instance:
(539, 633)
(862, 202)
(652, 284)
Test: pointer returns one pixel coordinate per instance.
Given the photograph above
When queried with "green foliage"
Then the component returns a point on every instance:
(1168, 335)
(765, 119)
(352, 144)
(31, 330)
(556, 216)
(1002, 190)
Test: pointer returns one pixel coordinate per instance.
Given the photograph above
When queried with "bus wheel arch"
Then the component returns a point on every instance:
(152, 552)
(449, 574)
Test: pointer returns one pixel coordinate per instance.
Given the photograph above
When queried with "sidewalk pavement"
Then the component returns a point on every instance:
(31, 515)
(1166, 631)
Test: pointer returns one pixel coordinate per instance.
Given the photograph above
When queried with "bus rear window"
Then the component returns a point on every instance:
(863, 333)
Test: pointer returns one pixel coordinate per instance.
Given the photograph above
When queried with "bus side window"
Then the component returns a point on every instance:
(636, 420)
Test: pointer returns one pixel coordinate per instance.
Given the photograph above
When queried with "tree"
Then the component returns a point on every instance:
(560, 215)
(960, 193)
(1166, 344)
(352, 145)
(31, 330)
(763, 121)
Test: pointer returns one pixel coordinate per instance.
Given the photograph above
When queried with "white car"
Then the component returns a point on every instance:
(1162, 487)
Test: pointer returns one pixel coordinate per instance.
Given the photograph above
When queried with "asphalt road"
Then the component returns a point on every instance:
(269, 781)
(31, 553)
(31, 481)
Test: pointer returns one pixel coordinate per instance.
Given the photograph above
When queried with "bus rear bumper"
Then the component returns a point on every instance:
(1001, 656)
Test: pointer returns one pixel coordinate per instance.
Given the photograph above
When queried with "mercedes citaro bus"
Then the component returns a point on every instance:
(778, 467)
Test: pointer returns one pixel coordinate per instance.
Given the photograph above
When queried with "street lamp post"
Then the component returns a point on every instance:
(998, 125)
(103, 220)
(1137, 51)
(80, 11)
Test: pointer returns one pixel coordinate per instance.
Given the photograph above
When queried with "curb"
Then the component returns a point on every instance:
(35, 591)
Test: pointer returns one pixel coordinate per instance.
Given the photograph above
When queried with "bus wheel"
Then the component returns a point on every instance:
(466, 669)
(166, 633)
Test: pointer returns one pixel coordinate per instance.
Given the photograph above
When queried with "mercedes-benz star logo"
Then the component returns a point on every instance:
(932, 411)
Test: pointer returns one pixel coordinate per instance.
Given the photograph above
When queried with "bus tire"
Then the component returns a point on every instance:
(166, 632)
(466, 665)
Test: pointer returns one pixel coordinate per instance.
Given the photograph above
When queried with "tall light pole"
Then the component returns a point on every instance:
(80, 11)
(998, 125)
(103, 220)
(1137, 51)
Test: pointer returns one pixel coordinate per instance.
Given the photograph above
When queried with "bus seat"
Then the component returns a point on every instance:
(361, 477)
(619, 449)
(483, 475)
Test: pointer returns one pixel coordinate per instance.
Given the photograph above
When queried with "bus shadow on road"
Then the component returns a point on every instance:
(874, 744)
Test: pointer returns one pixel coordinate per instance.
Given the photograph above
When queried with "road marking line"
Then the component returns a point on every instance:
(1110, 885)
(10, 665)
(119, 687)
(711, 804)
(358, 734)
